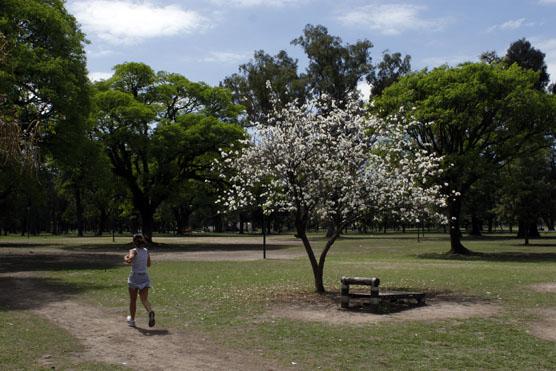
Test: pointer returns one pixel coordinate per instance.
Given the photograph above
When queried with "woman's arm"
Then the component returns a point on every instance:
(130, 256)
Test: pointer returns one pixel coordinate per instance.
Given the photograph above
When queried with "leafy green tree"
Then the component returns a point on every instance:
(490, 57)
(249, 86)
(388, 71)
(43, 76)
(526, 192)
(480, 202)
(160, 130)
(334, 68)
(44, 99)
(477, 117)
(527, 57)
(86, 181)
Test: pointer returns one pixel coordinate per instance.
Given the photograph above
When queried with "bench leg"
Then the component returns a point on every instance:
(375, 298)
(344, 292)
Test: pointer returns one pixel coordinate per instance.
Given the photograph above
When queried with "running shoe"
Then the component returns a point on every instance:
(130, 322)
(151, 319)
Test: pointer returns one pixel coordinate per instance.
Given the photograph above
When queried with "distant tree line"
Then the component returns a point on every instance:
(136, 151)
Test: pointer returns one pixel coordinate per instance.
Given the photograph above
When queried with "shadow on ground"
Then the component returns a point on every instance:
(150, 332)
(24, 292)
(161, 247)
(509, 256)
(24, 244)
(332, 299)
(56, 262)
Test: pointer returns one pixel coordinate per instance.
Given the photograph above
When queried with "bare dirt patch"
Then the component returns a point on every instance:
(545, 287)
(546, 327)
(435, 310)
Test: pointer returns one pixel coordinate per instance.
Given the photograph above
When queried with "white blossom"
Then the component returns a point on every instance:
(334, 166)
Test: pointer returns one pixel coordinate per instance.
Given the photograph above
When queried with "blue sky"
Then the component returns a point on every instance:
(207, 40)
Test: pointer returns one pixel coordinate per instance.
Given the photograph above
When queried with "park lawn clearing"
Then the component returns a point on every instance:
(243, 305)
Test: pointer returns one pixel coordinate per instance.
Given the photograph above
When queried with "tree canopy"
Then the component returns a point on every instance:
(43, 76)
(476, 116)
(333, 167)
(159, 130)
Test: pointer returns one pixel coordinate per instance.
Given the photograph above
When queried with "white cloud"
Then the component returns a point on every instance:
(97, 76)
(508, 25)
(512, 24)
(129, 22)
(226, 57)
(257, 3)
(391, 19)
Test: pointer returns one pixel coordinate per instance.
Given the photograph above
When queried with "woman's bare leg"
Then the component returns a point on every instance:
(132, 302)
(144, 294)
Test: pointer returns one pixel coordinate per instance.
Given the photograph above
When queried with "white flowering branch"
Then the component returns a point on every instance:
(321, 161)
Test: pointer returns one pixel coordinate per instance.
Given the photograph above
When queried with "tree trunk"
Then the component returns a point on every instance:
(79, 211)
(528, 229)
(330, 231)
(301, 229)
(218, 224)
(476, 225)
(147, 223)
(182, 215)
(454, 211)
(102, 221)
(241, 223)
(322, 260)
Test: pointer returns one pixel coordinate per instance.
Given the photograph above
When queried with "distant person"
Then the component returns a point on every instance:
(138, 281)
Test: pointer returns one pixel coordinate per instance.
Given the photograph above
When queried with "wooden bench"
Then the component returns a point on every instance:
(374, 296)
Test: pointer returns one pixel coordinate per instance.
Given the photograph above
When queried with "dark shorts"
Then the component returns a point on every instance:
(138, 280)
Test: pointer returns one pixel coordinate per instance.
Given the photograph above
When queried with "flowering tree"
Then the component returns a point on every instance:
(334, 164)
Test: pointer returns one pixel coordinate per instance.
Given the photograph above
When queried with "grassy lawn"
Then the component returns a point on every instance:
(229, 301)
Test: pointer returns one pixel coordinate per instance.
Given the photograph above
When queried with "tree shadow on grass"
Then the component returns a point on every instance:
(408, 237)
(509, 256)
(24, 244)
(432, 298)
(161, 247)
(57, 262)
(22, 292)
(505, 237)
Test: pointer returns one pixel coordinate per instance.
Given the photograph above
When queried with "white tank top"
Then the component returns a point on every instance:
(139, 264)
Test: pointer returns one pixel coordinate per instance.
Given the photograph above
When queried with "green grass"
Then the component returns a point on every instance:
(227, 300)
(31, 343)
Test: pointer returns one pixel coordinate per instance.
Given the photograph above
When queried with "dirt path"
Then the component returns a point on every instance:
(106, 337)
(435, 310)
(546, 327)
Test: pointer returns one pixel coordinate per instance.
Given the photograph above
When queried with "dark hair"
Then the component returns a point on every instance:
(137, 237)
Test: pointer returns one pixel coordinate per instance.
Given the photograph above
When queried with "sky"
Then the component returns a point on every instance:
(207, 40)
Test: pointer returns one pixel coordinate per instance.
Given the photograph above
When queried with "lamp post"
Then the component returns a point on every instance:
(264, 235)
(28, 220)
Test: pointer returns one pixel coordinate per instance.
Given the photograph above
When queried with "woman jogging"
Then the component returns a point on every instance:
(138, 281)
